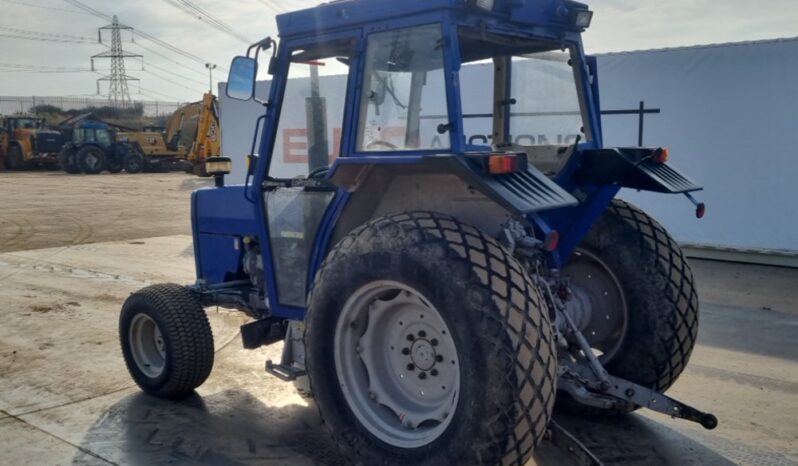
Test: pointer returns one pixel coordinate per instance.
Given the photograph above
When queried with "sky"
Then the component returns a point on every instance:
(618, 25)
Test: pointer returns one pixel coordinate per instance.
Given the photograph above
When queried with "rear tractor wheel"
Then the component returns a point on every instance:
(634, 299)
(428, 344)
(166, 340)
(91, 159)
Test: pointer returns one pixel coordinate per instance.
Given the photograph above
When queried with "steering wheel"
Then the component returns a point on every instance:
(379, 142)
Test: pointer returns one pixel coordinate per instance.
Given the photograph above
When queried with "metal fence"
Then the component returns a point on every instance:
(18, 105)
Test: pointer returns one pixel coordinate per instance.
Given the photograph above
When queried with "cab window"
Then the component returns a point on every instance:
(309, 132)
(403, 99)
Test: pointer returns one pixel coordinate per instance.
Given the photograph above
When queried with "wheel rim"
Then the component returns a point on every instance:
(598, 306)
(147, 345)
(92, 160)
(397, 364)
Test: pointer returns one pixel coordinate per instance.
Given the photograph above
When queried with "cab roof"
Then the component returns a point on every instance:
(348, 14)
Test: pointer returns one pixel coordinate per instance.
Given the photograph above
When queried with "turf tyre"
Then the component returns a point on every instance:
(660, 292)
(187, 339)
(503, 337)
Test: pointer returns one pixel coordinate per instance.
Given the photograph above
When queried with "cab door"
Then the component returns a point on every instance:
(307, 140)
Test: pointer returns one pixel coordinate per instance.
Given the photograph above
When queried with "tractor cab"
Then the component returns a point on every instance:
(95, 133)
(13, 125)
(445, 76)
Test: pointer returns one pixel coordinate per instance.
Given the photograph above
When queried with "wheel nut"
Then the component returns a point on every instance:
(439, 358)
(434, 372)
(422, 375)
(411, 337)
(405, 351)
(410, 367)
(434, 342)
(422, 333)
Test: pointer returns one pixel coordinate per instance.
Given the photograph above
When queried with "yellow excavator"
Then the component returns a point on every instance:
(191, 135)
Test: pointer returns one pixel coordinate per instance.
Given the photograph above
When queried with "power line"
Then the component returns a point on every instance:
(140, 33)
(151, 92)
(45, 39)
(198, 12)
(173, 73)
(138, 44)
(24, 68)
(44, 36)
(45, 7)
(169, 80)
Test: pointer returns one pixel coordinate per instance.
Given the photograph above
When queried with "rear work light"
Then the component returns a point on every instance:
(486, 5)
(504, 164)
(582, 18)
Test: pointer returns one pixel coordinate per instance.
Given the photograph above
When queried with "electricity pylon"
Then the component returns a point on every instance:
(118, 94)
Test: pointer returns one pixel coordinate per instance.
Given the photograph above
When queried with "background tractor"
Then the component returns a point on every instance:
(93, 149)
(436, 298)
(191, 135)
(25, 143)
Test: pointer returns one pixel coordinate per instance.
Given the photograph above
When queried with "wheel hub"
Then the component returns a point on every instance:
(597, 304)
(397, 363)
(423, 355)
(147, 345)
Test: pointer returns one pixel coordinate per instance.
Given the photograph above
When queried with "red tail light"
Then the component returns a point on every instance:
(661, 155)
(503, 164)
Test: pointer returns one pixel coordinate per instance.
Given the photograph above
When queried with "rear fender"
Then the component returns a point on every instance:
(449, 184)
(631, 168)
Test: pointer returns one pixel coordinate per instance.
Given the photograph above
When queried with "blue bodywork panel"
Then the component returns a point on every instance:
(349, 14)
(220, 218)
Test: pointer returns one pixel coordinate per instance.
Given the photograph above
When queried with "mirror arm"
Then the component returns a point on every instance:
(264, 44)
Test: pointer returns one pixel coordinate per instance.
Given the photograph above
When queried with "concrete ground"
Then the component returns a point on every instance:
(73, 247)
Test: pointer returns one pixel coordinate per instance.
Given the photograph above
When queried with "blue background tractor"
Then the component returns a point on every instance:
(435, 297)
(92, 149)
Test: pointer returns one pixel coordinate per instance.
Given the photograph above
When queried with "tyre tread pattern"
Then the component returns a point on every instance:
(188, 331)
(514, 428)
(678, 291)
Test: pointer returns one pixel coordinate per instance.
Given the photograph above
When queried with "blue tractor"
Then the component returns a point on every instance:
(429, 224)
(92, 149)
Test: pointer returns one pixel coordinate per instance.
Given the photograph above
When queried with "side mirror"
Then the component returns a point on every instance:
(241, 81)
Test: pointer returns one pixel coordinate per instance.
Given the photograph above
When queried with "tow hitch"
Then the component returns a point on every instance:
(586, 380)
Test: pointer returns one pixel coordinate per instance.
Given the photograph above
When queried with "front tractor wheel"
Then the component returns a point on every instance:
(634, 299)
(428, 344)
(166, 340)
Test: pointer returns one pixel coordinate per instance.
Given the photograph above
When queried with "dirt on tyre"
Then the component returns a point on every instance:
(91, 160)
(166, 340)
(428, 344)
(629, 262)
